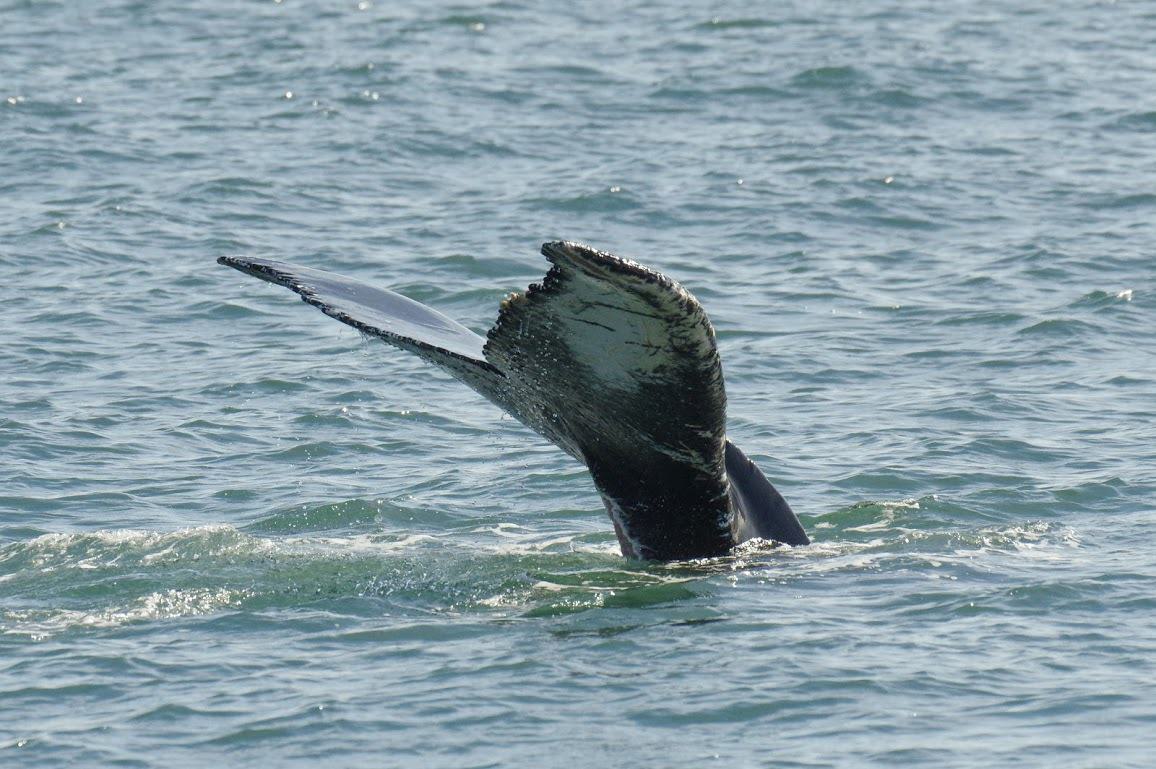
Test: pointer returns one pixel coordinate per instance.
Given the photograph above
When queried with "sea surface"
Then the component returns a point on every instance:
(235, 533)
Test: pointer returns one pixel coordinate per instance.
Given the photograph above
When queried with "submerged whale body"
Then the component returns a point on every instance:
(614, 363)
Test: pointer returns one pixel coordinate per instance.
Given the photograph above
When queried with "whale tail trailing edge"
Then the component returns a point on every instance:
(614, 363)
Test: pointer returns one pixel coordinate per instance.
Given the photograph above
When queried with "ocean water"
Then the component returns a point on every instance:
(232, 531)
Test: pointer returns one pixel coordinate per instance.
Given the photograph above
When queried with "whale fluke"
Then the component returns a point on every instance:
(614, 363)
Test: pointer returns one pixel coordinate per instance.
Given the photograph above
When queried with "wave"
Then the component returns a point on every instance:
(84, 582)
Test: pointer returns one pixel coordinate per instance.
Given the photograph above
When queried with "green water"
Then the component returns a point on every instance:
(234, 532)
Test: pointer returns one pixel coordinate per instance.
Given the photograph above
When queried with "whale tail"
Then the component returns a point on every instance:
(614, 363)
(760, 510)
(384, 314)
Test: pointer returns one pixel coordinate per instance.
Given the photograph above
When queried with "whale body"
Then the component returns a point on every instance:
(614, 363)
